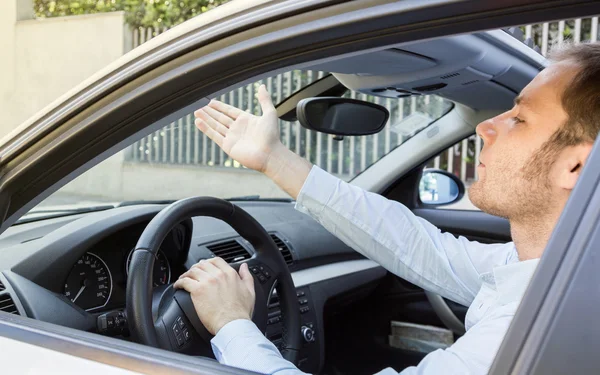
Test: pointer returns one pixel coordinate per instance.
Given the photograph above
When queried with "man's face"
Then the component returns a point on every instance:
(513, 182)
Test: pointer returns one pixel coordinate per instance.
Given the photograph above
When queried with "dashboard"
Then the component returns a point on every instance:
(72, 270)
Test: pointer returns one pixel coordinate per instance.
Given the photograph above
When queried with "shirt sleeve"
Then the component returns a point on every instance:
(240, 344)
(391, 235)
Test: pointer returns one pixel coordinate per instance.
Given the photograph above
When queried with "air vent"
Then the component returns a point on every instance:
(450, 75)
(230, 251)
(7, 304)
(285, 250)
(470, 82)
(1, 286)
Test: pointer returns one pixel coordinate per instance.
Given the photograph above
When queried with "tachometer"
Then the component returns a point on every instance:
(161, 275)
(89, 284)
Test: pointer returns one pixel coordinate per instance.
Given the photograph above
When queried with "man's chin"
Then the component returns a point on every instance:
(482, 200)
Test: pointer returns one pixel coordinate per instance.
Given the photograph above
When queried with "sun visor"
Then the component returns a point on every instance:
(390, 61)
(482, 95)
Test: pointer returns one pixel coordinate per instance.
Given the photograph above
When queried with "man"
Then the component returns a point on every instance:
(531, 159)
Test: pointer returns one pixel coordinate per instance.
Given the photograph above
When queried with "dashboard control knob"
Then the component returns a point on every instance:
(308, 334)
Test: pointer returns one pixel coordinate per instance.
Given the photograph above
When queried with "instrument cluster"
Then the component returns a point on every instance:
(98, 279)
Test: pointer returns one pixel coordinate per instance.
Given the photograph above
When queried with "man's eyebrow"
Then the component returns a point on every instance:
(518, 99)
(525, 102)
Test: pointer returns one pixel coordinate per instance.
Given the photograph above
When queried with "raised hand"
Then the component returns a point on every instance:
(249, 139)
(254, 141)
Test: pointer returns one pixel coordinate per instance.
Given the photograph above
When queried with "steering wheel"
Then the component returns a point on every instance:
(166, 318)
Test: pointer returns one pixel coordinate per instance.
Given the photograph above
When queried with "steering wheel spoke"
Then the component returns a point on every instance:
(265, 281)
(178, 327)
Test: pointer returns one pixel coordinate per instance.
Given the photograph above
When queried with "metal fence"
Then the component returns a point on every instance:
(180, 143)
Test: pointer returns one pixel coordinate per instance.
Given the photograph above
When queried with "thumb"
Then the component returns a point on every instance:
(264, 98)
(246, 277)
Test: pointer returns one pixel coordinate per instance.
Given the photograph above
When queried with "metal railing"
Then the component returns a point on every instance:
(180, 143)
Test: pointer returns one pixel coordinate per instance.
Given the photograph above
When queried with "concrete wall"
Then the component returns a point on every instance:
(8, 21)
(117, 180)
(42, 59)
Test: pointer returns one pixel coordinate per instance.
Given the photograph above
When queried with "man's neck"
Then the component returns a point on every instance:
(531, 235)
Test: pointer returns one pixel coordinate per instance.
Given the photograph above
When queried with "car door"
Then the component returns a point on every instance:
(149, 88)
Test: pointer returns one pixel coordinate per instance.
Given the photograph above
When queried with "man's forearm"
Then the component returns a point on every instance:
(288, 170)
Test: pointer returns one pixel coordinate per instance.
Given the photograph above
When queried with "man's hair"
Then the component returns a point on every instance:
(581, 97)
(581, 102)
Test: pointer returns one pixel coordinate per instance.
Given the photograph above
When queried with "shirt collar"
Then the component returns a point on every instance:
(512, 280)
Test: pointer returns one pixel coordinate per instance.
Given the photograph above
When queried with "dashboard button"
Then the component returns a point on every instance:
(308, 334)
(186, 335)
(262, 279)
(180, 322)
(176, 330)
(179, 339)
(254, 270)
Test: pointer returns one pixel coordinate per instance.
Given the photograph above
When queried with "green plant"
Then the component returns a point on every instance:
(138, 13)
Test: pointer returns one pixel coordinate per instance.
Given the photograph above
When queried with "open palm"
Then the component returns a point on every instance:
(246, 138)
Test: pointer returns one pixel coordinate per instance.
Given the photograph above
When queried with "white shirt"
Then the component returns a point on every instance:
(488, 278)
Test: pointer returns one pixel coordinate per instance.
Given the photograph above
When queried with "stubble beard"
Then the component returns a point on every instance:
(515, 194)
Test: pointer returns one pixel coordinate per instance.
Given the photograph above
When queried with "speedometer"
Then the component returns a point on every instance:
(161, 274)
(89, 284)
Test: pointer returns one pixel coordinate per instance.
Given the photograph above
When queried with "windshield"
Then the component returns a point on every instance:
(179, 161)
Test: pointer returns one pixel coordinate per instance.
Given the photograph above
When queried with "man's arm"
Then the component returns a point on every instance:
(390, 234)
(224, 300)
(380, 229)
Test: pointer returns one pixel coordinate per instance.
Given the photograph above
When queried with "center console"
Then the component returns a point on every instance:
(310, 353)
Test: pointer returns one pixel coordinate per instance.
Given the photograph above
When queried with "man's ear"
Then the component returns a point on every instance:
(571, 163)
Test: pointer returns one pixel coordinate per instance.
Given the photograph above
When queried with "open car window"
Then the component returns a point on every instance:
(179, 161)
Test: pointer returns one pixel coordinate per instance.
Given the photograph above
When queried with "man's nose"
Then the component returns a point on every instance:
(487, 131)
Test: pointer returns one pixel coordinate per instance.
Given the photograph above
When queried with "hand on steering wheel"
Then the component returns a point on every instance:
(183, 322)
(220, 295)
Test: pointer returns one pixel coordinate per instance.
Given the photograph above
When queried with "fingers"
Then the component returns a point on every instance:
(186, 284)
(246, 277)
(194, 273)
(265, 100)
(209, 268)
(216, 267)
(212, 270)
(210, 132)
(225, 109)
(222, 265)
(218, 116)
(213, 122)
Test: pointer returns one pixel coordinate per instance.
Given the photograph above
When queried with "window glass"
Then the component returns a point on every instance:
(179, 161)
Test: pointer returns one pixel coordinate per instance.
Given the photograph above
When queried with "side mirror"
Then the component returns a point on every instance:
(341, 116)
(438, 187)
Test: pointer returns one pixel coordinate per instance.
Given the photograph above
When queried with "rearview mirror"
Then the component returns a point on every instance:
(438, 187)
(341, 116)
